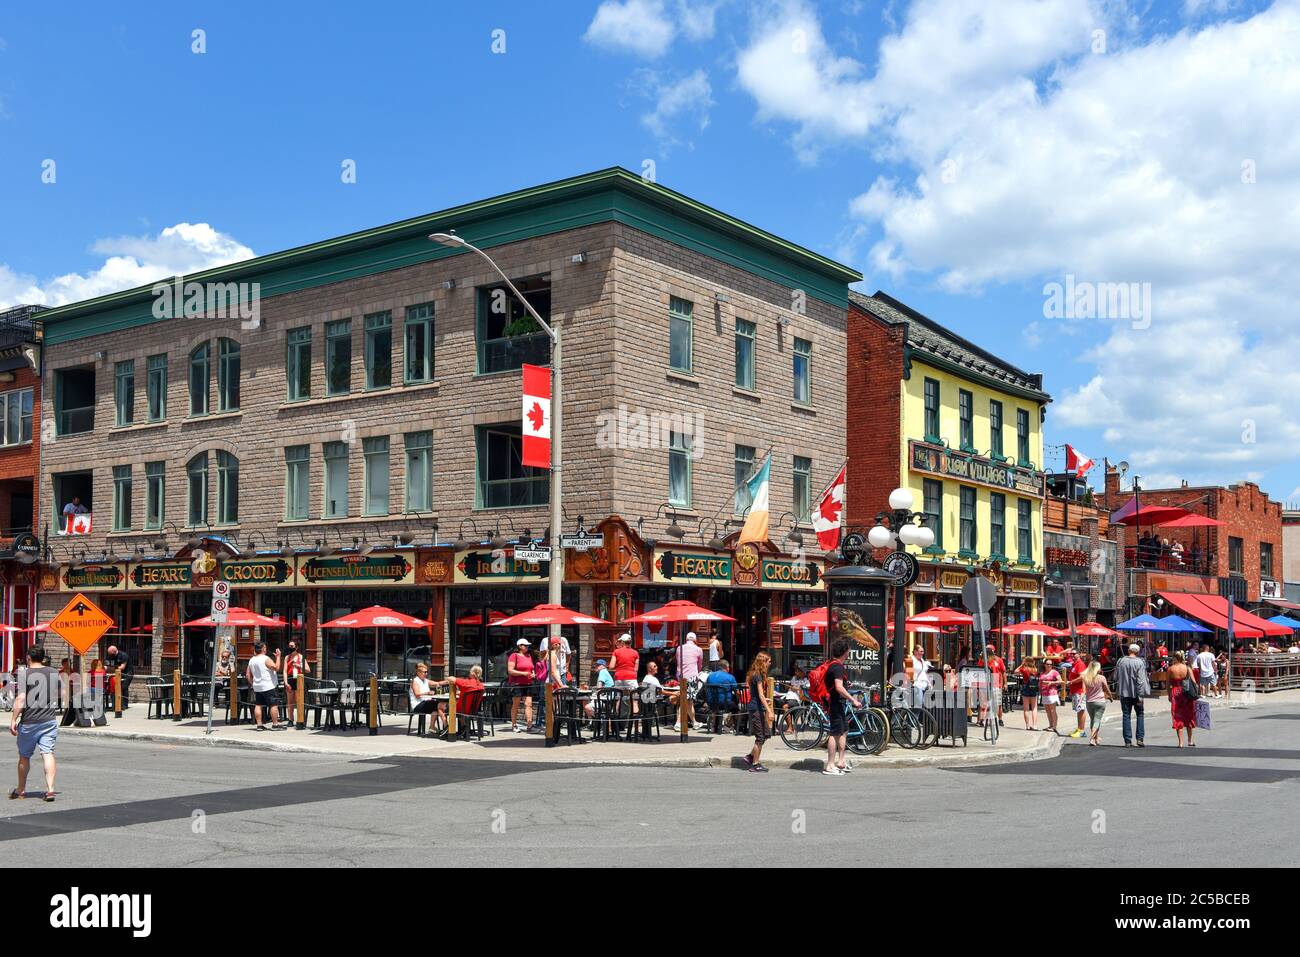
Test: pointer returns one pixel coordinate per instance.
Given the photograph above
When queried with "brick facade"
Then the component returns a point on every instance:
(875, 373)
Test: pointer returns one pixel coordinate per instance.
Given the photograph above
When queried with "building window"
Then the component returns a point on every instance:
(379, 350)
(227, 375)
(74, 401)
(932, 410)
(680, 446)
(297, 483)
(932, 493)
(419, 471)
(966, 420)
(124, 391)
(995, 428)
(336, 479)
(997, 525)
(508, 336)
(802, 371)
(1265, 560)
(155, 494)
(1236, 564)
(200, 375)
(419, 343)
(744, 466)
(802, 489)
(1025, 531)
(969, 533)
(503, 479)
(681, 323)
(338, 357)
(297, 366)
(227, 488)
(375, 455)
(121, 498)
(156, 388)
(1022, 437)
(196, 483)
(745, 334)
(16, 407)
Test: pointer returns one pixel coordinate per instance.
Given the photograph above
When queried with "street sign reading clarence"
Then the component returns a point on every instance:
(356, 570)
(705, 568)
(974, 468)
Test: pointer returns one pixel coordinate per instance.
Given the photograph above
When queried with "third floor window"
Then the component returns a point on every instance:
(507, 335)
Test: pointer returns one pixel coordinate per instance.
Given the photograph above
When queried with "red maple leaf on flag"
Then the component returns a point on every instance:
(830, 509)
(535, 416)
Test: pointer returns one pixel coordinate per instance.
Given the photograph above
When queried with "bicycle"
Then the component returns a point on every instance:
(913, 728)
(806, 727)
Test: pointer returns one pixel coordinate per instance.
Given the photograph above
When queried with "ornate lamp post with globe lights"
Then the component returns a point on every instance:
(905, 527)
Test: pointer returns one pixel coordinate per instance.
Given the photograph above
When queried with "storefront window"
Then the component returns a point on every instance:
(354, 653)
(478, 642)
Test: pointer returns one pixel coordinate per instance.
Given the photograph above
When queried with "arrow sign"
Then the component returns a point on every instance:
(81, 623)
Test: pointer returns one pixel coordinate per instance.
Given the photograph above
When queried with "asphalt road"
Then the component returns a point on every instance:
(143, 804)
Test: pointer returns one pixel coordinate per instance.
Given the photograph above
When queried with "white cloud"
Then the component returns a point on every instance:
(131, 261)
(699, 21)
(677, 102)
(633, 26)
(1015, 154)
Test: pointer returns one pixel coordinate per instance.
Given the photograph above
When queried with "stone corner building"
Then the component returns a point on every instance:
(358, 442)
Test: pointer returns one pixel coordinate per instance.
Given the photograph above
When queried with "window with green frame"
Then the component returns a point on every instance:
(507, 336)
(744, 466)
(932, 410)
(966, 419)
(503, 479)
(155, 494)
(1025, 531)
(419, 471)
(802, 489)
(746, 332)
(124, 391)
(802, 371)
(969, 532)
(995, 428)
(227, 488)
(121, 498)
(297, 365)
(932, 494)
(1022, 437)
(196, 490)
(998, 526)
(338, 357)
(297, 483)
(156, 388)
(335, 455)
(379, 350)
(200, 378)
(418, 354)
(228, 369)
(680, 448)
(374, 453)
(681, 324)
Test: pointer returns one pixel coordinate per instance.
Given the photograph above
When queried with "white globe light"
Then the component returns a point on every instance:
(909, 534)
(925, 536)
(880, 537)
(900, 499)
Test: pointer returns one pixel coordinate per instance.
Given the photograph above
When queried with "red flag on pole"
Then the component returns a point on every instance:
(828, 511)
(536, 422)
(1077, 462)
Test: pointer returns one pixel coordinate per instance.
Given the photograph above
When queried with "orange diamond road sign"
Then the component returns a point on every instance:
(81, 623)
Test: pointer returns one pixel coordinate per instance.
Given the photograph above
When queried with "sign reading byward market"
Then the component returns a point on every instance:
(973, 468)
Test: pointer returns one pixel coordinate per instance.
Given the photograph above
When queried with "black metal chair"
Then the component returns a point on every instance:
(160, 698)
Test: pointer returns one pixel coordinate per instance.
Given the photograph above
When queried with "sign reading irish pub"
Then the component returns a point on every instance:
(687, 567)
(373, 569)
(497, 566)
(950, 463)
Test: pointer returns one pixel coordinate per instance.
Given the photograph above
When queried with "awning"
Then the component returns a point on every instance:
(1283, 603)
(1213, 610)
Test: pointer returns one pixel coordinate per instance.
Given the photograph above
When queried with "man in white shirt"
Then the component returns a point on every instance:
(261, 674)
(1206, 664)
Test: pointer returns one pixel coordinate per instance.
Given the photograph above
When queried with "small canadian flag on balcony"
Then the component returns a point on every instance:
(536, 422)
(78, 524)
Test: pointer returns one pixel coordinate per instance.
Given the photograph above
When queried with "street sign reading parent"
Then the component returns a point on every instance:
(81, 623)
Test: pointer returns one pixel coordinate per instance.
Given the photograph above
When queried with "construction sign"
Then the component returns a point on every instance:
(81, 623)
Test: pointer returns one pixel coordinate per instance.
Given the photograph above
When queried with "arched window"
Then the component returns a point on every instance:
(227, 375)
(196, 478)
(200, 378)
(227, 488)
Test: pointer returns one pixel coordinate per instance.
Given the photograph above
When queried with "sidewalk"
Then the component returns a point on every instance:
(702, 750)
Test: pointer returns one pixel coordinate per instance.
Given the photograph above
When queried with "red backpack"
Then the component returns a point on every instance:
(817, 684)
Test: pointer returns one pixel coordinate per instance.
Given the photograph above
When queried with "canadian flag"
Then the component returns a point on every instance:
(828, 511)
(78, 524)
(1077, 462)
(536, 422)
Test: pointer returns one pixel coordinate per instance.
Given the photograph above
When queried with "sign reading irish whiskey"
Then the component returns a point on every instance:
(93, 578)
(950, 463)
(373, 569)
(691, 568)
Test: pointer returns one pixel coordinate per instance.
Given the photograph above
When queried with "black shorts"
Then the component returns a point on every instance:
(838, 722)
(521, 691)
(758, 725)
(267, 699)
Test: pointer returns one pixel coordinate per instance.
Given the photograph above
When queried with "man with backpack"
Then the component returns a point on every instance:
(826, 686)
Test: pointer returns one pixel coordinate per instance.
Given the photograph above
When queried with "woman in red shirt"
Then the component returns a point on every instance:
(624, 665)
(519, 678)
(1028, 672)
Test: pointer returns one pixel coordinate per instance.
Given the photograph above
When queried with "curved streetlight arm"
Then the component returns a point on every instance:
(452, 241)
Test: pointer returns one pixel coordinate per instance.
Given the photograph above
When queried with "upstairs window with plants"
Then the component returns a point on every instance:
(508, 337)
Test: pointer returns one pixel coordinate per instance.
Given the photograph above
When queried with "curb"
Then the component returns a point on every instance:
(1046, 747)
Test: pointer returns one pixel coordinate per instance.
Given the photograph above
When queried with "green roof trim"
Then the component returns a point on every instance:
(611, 195)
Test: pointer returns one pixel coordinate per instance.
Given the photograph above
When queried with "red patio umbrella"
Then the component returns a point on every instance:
(815, 619)
(1095, 629)
(1191, 520)
(376, 616)
(941, 616)
(237, 618)
(1033, 628)
(1132, 514)
(549, 615)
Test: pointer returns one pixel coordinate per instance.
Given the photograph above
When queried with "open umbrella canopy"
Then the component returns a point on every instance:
(676, 611)
(377, 616)
(549, 615)
(1095, 629)
(1170, 623)
(1032, 627)
(1133, 514)
(1192, 520)
(941, 616)
(1186, 624)
(815, 619)
(916, 629)
(494, 618)
(1284, 620)
(237, 618)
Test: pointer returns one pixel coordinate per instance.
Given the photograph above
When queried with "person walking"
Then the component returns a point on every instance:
(689, 657)
(1049, 686)
(261, 674)
(761, 715)
(1208, 666)
(1096, 692)
(1028, 672)
(1182, 709)
(34, 722)
(1078, 698)
(294, 666)
(998, 669)
(836, 741)
(519, 677)
(1132, 684)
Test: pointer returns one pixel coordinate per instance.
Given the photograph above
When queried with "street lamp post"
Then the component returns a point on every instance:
(905, 528)
(556, 577)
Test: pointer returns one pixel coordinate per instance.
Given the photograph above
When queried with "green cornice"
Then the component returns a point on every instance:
(611, 195)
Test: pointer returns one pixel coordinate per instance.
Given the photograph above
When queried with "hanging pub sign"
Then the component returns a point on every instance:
(682, 567)
(93, 578)
(497, 566)
(433, 568)
(937, 460)
(257, 572)
(336, 571)
(161, 576)
(793, 574)
(744, 570)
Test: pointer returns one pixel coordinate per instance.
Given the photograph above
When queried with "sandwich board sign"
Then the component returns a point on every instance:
(81, 623)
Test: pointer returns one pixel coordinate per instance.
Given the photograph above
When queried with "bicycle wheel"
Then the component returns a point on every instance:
(867, 733)
(802, 729)
(929, 729)
(905, 728)
(882, 719)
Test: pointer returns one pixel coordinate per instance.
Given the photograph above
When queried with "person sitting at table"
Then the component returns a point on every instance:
(603, 680)
(651, 691)
(1054, 648)
(720, 695)
(473, 683)
(420, 694)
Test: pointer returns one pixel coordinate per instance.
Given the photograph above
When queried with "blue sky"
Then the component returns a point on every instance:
(962, 155)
